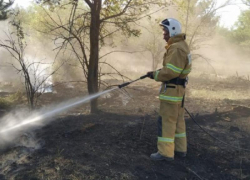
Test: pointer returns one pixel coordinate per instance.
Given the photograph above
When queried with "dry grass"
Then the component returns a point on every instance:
(220, 94)
(9, 101)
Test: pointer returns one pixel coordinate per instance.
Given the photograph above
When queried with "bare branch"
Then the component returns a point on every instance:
(211, 10)
(115, 70)
(206, 59)
(89, 3)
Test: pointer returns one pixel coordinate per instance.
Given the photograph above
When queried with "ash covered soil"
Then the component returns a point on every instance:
(117, 142)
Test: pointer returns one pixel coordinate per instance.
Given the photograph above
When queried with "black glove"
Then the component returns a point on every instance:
(150, 74)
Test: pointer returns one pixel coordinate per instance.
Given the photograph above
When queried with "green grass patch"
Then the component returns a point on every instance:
(11, 100)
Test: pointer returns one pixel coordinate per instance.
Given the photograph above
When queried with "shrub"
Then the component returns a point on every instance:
(11, 100)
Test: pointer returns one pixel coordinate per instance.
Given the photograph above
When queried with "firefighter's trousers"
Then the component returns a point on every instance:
(171, 129)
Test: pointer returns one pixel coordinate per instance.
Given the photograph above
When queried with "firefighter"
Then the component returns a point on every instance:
(173, 75)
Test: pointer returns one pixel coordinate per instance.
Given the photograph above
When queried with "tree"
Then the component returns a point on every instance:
(4, 6)
(88, 25)
(34, 79)
(199, 20)
(241, 33)
(246, 2)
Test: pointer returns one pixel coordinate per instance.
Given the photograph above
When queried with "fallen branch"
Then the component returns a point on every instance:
(190, 170)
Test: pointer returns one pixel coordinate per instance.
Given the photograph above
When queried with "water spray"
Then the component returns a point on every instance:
(62, 108)
(68, 106)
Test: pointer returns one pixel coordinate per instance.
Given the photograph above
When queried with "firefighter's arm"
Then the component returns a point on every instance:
(174, 63)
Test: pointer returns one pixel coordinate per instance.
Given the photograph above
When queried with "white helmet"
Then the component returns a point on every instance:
(173, 26)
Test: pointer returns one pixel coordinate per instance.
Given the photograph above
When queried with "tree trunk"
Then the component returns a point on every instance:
(32, 106)
(94, 53)
(29, 93)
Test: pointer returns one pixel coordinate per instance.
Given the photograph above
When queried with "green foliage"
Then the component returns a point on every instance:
(70, 19)
(4, 103)
(118, 16)
(241, 33)
(11, 100)
(123, 17)
(4, 6)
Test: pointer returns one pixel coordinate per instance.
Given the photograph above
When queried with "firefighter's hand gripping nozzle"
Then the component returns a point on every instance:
(128, 83)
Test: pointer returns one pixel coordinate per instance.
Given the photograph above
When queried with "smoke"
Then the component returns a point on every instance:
(37, 59)
(134, 56)
(7, 72)
(16, 123)
(223, 58)
(18, 136)
(136, 59)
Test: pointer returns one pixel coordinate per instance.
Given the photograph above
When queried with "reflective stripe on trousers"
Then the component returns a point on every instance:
(181, 135)
(171, 130)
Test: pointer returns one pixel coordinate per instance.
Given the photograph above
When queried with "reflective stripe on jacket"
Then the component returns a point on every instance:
(176, 63)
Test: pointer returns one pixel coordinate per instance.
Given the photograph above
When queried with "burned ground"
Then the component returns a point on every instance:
(117, 142)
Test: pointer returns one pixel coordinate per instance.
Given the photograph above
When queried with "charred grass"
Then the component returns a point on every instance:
(117, 142)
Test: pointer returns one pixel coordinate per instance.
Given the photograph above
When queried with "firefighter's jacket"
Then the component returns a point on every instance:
(176, 63)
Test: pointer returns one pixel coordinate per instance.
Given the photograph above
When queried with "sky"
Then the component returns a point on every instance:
(229, 14)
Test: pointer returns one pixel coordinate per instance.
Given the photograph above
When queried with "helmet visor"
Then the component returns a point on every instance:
(165, 22)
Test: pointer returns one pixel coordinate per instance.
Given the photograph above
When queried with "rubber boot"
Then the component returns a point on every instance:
(158, 157)
(180, 154)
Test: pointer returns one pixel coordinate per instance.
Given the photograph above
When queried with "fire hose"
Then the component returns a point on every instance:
(145, 76)
(128, 83)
